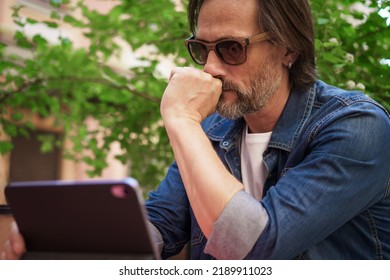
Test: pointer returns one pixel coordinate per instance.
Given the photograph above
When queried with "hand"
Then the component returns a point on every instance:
(14, 247)
(191, 94)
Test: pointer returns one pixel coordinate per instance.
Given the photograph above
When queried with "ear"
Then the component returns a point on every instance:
(289, 58)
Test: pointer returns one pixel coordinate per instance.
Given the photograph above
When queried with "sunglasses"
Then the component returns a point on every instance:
(230, 51)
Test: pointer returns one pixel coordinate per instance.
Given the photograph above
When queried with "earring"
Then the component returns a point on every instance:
(289, 65)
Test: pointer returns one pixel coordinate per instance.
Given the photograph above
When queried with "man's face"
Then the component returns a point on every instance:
(247, 88)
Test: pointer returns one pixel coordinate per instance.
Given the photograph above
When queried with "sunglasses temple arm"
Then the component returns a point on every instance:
(259, 38)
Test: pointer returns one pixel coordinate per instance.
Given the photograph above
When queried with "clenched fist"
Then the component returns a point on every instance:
(190, 95)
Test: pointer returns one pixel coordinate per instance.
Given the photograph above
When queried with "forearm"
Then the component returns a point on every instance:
(208, 184)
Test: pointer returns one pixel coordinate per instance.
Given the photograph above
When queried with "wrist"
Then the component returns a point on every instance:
(180, 123)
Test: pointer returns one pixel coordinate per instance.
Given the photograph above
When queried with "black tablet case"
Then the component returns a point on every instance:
(92, 219)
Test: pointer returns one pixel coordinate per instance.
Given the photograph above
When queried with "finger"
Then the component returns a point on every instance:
(219, 84)
(3, 255)
(188, 71)
(7, 253)
(17, 240)
(173, 72)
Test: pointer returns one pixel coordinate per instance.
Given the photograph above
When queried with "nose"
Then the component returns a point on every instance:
(214, 66)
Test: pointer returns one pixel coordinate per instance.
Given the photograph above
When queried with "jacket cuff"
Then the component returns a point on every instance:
(237, 228)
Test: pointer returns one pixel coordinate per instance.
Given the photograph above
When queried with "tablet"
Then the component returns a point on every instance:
(92, 219)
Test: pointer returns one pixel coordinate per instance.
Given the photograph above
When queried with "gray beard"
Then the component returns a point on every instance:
(252, 99)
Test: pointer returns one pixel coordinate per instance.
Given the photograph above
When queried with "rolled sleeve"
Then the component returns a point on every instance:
(156, 236)
(238, 228)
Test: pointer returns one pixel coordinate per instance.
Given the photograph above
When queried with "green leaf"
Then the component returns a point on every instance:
(18, 116)
(65, 42)
(5, 147)
(10, 129)
(31, 20)
(50, 24)
(15, 10)
(39, 40)
(22, 40)
(73, 21)
(56, 3)
(55, 15)
(18, 22)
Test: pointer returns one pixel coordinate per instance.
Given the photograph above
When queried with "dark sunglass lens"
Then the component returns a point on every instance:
(232, 52)
(198, 52)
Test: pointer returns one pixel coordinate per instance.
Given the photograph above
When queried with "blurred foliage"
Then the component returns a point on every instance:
(352, 43)
(74, 83)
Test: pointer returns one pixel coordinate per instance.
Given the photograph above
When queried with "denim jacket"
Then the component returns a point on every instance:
(327, 194)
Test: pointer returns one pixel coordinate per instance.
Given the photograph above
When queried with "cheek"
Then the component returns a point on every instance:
(269, 68)
(266, 55)
(240, 75)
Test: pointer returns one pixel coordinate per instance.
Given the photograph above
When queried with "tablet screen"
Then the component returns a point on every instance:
(91, 217)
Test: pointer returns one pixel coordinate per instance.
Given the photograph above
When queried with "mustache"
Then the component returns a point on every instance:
(230, 86)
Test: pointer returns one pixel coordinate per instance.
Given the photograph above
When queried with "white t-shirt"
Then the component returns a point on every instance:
(253, 170)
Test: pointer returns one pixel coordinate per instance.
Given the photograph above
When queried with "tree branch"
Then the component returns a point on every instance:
(4, 95)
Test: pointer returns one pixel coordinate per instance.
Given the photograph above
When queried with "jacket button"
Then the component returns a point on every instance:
(225, 143)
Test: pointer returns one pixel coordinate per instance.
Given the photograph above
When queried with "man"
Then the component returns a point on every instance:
(288, 167)
(317, 187)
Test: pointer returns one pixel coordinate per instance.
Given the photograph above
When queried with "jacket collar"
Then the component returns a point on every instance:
(286, 131)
